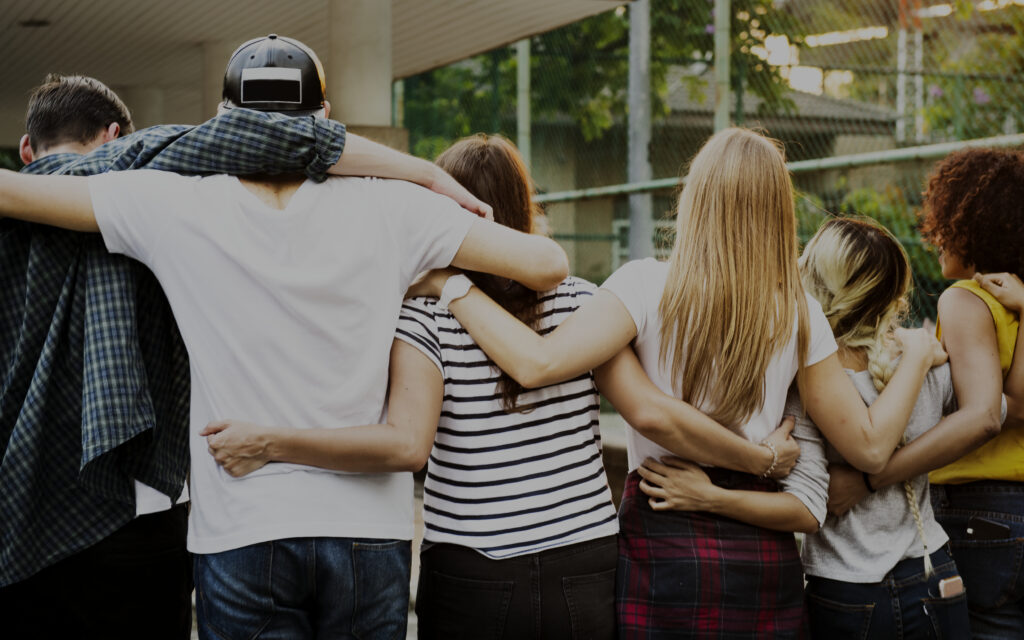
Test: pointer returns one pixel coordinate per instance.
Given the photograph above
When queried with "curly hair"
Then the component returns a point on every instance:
(974, 209)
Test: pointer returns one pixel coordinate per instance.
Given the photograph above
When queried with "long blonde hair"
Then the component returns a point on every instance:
(733, 291)
(860, 274)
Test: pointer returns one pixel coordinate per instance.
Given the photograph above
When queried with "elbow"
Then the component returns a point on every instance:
(552, 267)
(648, 420)
(412, 456)
(534, 374)
(872, 459)
(807, 524)
(989, 424)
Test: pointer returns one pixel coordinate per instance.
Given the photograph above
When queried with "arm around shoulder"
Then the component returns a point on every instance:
(59, 201)
(536, 261)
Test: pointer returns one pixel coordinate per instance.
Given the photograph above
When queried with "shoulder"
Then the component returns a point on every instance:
(962, 305)
(638, 274)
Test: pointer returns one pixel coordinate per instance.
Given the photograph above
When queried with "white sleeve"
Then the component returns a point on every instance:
(627, 283)
(822, 343)
(132, 208)
(808, 481)
(429, 227)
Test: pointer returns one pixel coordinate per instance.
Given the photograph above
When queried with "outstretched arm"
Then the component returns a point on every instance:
(1009, 291)
(970, 338)
(674, 484)
(363, 157)
(684, 430)
(590, 336)
(402, 444)
(59, 201)
(535, 261)
(867, 436)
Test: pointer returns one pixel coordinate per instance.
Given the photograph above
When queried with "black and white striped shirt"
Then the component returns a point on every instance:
(508, 484)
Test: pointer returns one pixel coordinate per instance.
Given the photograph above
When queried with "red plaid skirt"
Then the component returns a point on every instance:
(686, 574)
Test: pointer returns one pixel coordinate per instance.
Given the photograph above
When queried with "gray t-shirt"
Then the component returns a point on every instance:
(863, 544)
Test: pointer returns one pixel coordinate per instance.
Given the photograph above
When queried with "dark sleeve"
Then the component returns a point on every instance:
(240, 141)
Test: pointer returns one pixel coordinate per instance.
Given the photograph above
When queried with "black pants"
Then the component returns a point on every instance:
(136, 583)
(566, 592)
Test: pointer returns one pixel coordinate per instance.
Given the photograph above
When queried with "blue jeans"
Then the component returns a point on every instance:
(991, 565)
(905, 604)
(304, 588)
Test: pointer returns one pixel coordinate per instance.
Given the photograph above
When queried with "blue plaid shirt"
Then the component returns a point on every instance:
(94, 378)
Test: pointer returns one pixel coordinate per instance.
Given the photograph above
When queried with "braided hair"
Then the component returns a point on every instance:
(860, 274)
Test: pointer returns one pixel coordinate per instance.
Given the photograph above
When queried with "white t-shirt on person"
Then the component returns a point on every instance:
(639, 286)
(288, 317)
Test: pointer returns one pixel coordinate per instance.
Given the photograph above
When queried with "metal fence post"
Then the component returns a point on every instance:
(641, 223)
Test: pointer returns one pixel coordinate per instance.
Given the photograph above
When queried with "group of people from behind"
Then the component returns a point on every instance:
(762, 389)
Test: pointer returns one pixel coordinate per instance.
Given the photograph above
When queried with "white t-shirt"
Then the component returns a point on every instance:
(510, 483)
(288, 317)
(639, 285)
(149, 500)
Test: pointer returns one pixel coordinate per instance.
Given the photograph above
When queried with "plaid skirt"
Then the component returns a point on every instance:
(686, 574)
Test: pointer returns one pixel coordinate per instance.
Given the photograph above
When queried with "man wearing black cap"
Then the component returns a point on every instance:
(287, 295)
(94, 385)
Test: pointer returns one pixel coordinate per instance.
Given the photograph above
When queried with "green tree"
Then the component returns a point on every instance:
(580, 72)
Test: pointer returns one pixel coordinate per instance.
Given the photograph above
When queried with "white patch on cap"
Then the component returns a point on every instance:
(260, 76)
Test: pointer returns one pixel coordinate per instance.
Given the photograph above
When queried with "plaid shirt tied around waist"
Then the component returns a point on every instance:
(94, 378)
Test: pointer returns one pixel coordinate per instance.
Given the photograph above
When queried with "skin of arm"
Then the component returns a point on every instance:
(675, 484)
(1009, 291)
(59, 201)
(416, 392)
(970, 339)
(683, 429)
(363, 157)
(533, 260)
(590, 336)
(867, 436)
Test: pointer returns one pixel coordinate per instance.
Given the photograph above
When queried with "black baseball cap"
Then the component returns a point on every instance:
(275, 74)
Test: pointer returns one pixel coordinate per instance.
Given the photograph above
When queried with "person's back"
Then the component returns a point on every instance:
(288, 316)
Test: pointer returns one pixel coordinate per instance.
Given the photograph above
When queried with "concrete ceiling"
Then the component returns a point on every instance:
(158, 44)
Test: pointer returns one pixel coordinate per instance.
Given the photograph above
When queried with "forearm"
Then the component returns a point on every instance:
(592, 335)
(776, 511)
(953, 437)
(366, 448)
(363, 157)
(684, 430)
(60, 201)
(890, 413)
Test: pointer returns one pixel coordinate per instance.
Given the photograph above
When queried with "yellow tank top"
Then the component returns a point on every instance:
(1001, 458)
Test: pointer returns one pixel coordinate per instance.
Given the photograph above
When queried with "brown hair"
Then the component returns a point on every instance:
(974, 209)
(492, 169)
(72, 109)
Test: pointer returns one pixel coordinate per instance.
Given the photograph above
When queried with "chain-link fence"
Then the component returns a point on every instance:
(830, 80)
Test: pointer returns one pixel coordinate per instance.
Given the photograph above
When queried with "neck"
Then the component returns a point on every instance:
(275, 191)
(66, 147)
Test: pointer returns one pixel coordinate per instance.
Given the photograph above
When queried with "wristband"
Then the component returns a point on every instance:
(455, 287)
(867, 481)
(775, 458)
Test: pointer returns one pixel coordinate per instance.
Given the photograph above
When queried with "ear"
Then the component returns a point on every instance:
(112, 132)
(25, 150)
(327, 108)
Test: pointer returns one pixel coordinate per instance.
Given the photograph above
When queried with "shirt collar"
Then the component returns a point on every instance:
(50, 163)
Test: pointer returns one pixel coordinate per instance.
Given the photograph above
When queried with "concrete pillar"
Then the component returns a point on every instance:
(358, 69)
(215, 60)
(146, 105)
(358, 65)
